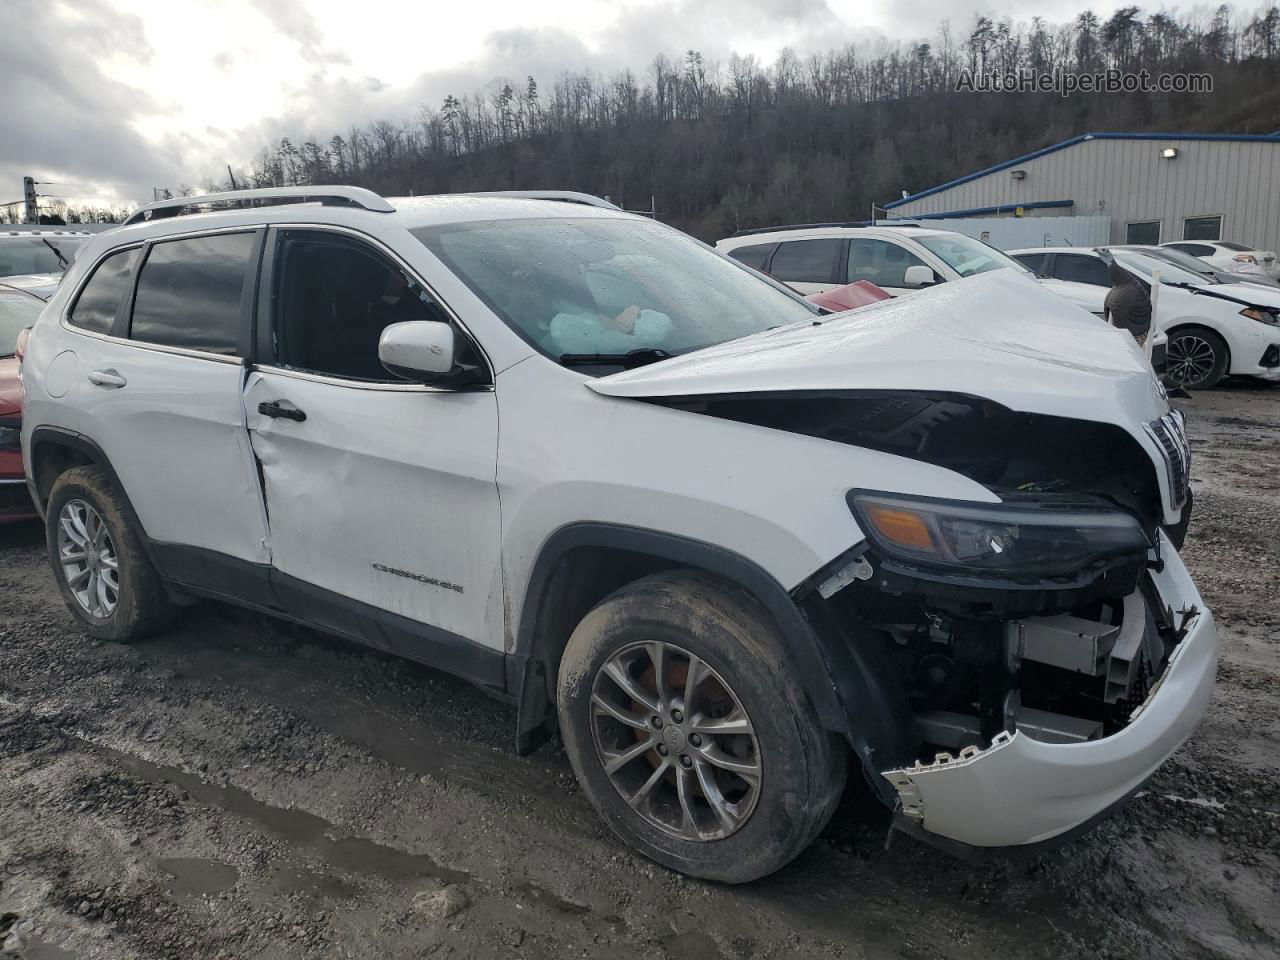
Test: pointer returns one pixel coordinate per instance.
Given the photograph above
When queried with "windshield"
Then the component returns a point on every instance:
(20, 255)
(1143, 265)
(17, 311)
(967, 256)
(1184, 260)
(579, 288)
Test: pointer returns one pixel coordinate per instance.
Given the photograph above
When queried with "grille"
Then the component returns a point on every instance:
(1171, 434)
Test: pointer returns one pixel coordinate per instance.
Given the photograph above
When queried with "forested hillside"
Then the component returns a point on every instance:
(735, 144)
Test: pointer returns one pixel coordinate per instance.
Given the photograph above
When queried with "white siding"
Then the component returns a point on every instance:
(1128, 180)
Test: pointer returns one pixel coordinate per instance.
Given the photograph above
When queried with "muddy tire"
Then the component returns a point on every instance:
(98, 560)
(1197, 358)
(691, 732)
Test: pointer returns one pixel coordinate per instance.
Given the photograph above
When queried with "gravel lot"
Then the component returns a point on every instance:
(242, 788)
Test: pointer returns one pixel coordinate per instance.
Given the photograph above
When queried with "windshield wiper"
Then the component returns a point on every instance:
(631, 359)
(57, 253)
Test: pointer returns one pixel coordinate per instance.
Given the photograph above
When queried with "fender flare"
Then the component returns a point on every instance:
(847, 692)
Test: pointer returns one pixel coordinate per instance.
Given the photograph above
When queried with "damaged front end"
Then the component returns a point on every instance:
(1045, 653)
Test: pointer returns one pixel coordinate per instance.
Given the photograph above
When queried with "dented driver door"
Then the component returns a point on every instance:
(382, 496)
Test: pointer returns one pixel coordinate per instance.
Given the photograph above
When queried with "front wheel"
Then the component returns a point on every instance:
(1197, 358)
(691, 733)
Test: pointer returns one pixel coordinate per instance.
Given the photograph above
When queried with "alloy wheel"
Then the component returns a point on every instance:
(1190, 359)
(675, 741)
(89, 560)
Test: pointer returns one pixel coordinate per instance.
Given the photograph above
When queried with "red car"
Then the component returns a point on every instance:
(850, 296)
(19, 308)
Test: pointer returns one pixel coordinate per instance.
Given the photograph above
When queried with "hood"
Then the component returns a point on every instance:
(10, 388)
(1250, 294)
(999, 335)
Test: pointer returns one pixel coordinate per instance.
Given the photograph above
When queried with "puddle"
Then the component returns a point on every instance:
(194, 877)
(297, 827)
(544, 896)
(291, 880)
(691, 946)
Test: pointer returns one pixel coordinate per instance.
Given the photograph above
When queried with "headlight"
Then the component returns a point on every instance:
(1261, 315)
(10, 437)
(1034, 539)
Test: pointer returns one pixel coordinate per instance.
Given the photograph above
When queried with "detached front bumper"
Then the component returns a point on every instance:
(1021, 791)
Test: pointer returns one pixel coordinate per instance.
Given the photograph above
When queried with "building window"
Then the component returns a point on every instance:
(1202, 228)
(1143, 231)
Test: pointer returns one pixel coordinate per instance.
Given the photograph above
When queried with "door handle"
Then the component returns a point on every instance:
(107, 378)
(276, 410)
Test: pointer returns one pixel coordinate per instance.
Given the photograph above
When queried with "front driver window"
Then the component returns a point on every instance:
(333, 298)
(883, 263)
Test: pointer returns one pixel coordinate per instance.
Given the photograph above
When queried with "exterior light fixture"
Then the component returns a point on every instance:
(1018, 174)
(1169, 153)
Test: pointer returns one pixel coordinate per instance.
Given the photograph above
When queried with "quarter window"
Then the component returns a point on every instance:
(1202, 228)
(1080, 269)
(1143, 231)
(334, 296)
(98, 302)
(883, 263)
(805, 261)
(190, 291)
(756, 255)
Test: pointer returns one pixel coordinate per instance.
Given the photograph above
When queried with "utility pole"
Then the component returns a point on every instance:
(32, 212)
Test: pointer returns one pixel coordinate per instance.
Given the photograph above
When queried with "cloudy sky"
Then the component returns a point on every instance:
(104, 99)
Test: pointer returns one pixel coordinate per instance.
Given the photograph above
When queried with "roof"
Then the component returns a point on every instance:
(1083, 138)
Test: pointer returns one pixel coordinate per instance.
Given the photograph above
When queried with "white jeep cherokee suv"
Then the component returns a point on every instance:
(729, 547)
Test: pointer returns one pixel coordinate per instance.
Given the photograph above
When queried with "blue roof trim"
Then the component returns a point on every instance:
(980, 211)
(1236, 137)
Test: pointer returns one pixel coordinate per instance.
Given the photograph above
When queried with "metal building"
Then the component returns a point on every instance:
(1154, 187)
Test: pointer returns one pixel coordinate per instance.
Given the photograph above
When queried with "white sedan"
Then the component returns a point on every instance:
(1229, 256)
(1214, 329)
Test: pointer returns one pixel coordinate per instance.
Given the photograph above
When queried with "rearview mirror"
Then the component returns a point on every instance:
(919, 276)
(418, 350)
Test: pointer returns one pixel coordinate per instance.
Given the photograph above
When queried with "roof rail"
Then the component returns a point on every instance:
(802, 226)
(566, 196)
(267, 196)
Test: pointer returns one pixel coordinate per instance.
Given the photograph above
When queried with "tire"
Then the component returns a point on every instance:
(1197, 358)
(728, 641)
(140, 606)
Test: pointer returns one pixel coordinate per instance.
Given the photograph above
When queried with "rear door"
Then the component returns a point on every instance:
(165, 330)
(381, 494)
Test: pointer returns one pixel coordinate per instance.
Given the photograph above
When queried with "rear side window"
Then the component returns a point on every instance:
(805, 261)
(756, 255)
(1032, 261)
(96, 306)
(1195, 249)
(1072, 266)
(189, 293)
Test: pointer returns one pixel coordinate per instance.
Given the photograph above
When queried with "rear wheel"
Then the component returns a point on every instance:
(1197, 358)
(690, 732)
(98, 560)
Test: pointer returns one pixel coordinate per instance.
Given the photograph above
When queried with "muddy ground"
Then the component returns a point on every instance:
(240, 788)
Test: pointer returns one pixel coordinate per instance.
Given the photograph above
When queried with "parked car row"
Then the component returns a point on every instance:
(1228, 256)
(731, 545)
(1215, 325)
(21, 300)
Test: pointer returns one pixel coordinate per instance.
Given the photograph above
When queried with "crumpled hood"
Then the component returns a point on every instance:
(1000, 336)
(10, 388)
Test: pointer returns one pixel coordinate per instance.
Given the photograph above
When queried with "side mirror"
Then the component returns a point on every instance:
(419, 350)
(919, 276)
